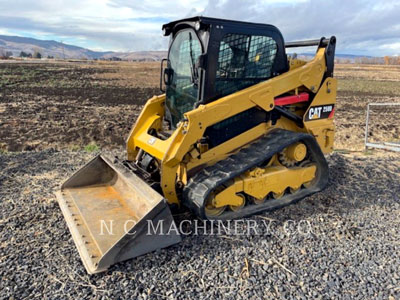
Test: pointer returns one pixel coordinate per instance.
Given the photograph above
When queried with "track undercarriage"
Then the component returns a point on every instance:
(260, 177)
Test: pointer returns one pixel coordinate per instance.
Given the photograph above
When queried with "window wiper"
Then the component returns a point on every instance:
(193, 69)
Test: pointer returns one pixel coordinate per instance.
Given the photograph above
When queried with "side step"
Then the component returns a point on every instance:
(109, 211)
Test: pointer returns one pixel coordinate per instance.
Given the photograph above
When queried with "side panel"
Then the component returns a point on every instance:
(318, 119)
(153, 110)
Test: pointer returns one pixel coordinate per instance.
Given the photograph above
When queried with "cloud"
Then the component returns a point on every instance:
(361, 26)
(97, 24)
(168, 9)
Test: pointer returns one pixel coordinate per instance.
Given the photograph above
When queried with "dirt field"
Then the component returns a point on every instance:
(55, 116)
(71, 105)
(359, 85)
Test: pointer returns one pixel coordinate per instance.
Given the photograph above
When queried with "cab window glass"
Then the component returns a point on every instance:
(243, 60)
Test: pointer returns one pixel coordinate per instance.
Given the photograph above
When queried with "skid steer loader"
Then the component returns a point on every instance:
(241, 128)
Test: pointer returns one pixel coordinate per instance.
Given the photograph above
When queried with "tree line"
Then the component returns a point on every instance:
(36, 54)
(386, 60)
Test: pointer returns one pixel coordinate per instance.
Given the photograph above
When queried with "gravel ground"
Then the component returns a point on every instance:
(342, 243)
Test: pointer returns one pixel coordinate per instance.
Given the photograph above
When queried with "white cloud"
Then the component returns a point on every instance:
(361, 26)
(5, 31)
(394, 46)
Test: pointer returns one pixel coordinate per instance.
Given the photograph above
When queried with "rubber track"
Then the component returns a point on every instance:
(203, 183)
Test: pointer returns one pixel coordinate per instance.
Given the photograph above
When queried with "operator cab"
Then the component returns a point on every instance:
(211, 58)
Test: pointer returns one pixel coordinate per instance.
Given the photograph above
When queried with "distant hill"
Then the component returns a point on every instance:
(343, 57)
(139, 55)
(16, 44)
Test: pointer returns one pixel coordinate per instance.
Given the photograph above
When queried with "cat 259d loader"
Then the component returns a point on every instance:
(242, 128)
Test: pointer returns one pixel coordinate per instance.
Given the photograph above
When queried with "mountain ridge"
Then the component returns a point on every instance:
(16, 44)
(46, 48)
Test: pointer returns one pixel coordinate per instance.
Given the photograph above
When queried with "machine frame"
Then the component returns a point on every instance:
(179, 154)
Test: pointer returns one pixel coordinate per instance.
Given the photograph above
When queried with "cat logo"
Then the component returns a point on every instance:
(320, 112)
(314, 113)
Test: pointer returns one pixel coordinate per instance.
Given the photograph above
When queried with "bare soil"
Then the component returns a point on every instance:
(70, 105)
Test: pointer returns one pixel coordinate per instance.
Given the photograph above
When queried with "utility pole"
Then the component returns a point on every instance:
(62, 46)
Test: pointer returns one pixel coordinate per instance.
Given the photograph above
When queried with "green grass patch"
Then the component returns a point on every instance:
(343, 151)
(369, 152)
(369, 86)
(92, 147)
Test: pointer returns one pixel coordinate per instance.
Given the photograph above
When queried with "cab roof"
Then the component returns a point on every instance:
(168, 27)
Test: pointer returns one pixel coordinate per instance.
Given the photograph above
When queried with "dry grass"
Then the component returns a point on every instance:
(371, 72)
(141, 74)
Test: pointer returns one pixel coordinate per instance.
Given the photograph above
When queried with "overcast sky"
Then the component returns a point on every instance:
(367, 27)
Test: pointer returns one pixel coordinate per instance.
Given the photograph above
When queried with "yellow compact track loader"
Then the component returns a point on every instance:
(241, 128)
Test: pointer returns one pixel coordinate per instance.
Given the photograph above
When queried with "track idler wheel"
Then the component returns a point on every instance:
(212, 211)
(293, 155)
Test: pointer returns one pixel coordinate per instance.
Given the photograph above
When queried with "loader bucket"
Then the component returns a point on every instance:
(114, 215)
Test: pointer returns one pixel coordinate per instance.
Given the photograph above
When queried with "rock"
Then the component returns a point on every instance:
(352, 250)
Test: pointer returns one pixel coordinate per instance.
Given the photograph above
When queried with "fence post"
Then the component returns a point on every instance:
(366, 127)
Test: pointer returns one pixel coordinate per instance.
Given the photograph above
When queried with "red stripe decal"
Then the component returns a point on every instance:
(303, 97)
(331, 114)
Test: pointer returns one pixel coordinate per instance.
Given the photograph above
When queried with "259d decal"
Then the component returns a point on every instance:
(320, 112)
